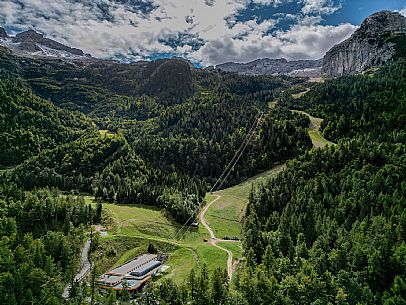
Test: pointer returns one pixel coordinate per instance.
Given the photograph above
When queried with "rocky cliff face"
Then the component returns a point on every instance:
(380, 39)
(29, 36)
(268, 66)
(3, 33)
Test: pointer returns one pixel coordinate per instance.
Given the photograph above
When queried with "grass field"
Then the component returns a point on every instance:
(181, 263)
(132, 227)
(106, 133)
(140, 220)
(224, 215)
(314, 131)
(234, 247)
(300, 94)
(212, 257)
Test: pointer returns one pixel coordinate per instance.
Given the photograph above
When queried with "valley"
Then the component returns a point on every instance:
(165, 182)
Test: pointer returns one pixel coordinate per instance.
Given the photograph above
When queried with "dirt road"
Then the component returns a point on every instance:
(214, 240)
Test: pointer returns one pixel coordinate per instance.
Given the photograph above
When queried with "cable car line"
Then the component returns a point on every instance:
(226, 172)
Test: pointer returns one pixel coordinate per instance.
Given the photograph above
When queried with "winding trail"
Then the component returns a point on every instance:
(214, 240)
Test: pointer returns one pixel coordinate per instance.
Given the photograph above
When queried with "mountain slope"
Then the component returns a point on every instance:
(29, 124)
(380, 39)
(332, 225)
(99, 86)
(170, 80)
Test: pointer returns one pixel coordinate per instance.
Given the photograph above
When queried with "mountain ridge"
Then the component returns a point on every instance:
(268, 66)
(380, 39)
(32, 43)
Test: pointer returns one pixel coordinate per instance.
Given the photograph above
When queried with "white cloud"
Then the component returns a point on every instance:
(403, 11)
(300, 42)
(268, 2)
(320, 7)
(108, 28)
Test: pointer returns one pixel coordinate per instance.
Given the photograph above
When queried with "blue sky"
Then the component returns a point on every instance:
(355, 11)
(204, 31)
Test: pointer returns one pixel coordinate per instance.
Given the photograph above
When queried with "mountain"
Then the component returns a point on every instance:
(169, 79)
(32, 43)
(380, 39)
(268, 66)
(94, 85)
(3, 33)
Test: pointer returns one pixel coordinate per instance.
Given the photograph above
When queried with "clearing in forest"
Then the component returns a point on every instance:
(132, 227)
(314, 131)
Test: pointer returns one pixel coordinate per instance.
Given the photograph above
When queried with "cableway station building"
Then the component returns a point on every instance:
(132, 275)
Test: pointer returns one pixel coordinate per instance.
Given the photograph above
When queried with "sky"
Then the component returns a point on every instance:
(206, 32)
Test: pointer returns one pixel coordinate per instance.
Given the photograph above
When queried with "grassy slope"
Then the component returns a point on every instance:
(234, 247)
(225, 214)
(314, 131)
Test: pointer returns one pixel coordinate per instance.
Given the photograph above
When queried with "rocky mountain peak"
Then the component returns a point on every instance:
(382, 18)
(380, 39)
(32, 43)
(3, 33)
(29, 36)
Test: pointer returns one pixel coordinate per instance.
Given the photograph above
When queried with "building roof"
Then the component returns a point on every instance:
(110, 279)
(144, 269)
(135, 272)
(133, 265)
(131, 284)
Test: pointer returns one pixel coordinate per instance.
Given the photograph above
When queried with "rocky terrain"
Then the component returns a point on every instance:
(380, 39)
(267, 66)
(3, 33)
(32, 43)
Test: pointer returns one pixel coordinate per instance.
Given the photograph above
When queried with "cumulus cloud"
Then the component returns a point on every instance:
(205, 31)
(403, 12)
(320, 6)
(300, 42)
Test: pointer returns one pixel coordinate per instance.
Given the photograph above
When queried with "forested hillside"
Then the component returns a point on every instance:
(373, 105)
(331, 227)
(145, 173)
(199, 136)
(29, 124)
(164, 147)
(328, 229)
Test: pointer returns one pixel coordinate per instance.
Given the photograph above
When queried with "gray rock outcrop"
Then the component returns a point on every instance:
(380, 39)
(3, 33)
